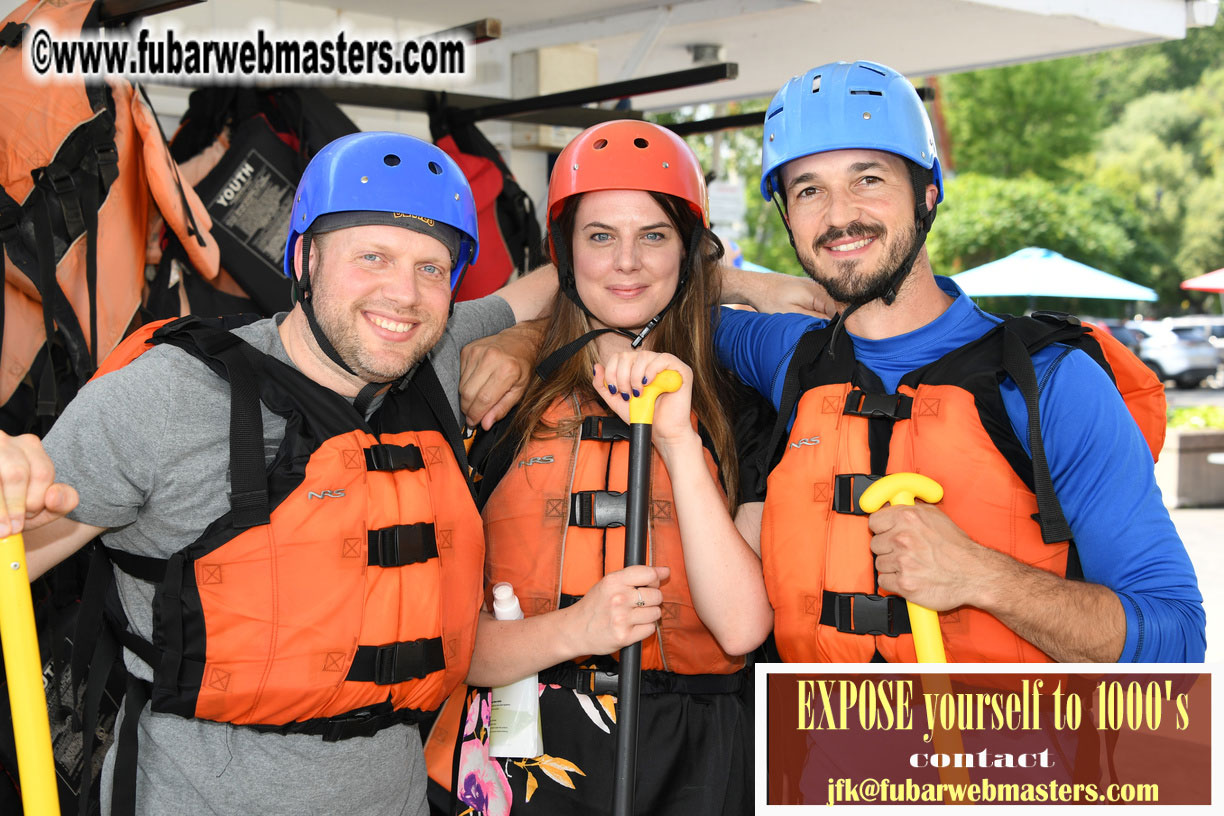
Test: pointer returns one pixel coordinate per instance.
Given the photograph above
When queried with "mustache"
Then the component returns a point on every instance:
(855, 229)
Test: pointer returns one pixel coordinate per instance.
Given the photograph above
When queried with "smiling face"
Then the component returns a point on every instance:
(626, 256)
(381, 294)
(852, 216)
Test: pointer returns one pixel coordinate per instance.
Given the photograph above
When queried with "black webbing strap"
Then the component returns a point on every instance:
(402, 545)
(104, 658)
(397, 662)
(857, 613)
(123, 790)
(249, 505)
(144, 567)
(1019, 366)
(170, 607)
(393, 457)
(806, 350)
(10, 217)
(364, 722)
(601, 681)
(89, 210)
(47, 396)
(598, 509)
(552, 362)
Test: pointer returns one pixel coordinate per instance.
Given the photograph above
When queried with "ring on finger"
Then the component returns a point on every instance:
(639, 601)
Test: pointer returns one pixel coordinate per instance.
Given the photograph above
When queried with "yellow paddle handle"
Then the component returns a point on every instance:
(23, 667)
(641, 409)
(903, 488)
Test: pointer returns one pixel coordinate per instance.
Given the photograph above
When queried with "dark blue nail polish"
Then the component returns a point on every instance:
(644, 381)
(625, 397)
(612, 389)
(637, 393)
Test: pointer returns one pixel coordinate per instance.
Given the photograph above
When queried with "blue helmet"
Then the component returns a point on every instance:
(391, 173)
(846, 105)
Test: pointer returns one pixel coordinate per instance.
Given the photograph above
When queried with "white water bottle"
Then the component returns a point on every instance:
(514, 711)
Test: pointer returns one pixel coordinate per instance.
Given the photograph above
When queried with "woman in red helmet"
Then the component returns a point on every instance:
(629, 234)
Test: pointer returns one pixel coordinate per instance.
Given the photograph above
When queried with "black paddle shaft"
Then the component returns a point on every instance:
(637, 516)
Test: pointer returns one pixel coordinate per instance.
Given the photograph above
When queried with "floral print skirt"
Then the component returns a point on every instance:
(694, 757)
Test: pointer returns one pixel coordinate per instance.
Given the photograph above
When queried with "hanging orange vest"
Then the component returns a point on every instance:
(84, 167)
(353, 584)
(541, 533)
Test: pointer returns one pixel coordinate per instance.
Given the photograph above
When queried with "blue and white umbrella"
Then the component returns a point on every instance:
(1036, 272)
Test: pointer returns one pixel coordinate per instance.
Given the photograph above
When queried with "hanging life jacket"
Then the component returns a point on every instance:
(368, 619)
(946, 420)
(85, 166)
(503, 209)
(246, 149)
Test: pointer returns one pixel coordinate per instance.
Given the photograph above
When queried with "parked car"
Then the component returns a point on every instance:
(1212, 326)
(1125, 335)
(1180, 354)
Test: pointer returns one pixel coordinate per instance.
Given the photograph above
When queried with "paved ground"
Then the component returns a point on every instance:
(1202, 531)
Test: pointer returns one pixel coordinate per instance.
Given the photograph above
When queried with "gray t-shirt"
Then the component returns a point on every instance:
(147, 447)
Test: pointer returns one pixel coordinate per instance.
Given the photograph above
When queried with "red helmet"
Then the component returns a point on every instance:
(627, 154)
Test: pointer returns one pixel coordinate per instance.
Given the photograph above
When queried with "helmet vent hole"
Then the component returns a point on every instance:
(391, 160)
(601, 144)
(775, 112)
(640, 142)
(867, 91)
(816, 84)
(435, 168)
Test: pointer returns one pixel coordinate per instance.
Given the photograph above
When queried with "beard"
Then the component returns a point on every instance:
(373, 360)
(848, 282)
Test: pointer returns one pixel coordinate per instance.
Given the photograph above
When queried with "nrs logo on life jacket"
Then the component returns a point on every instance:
(536, 460)
(811, 440)
(325, 494)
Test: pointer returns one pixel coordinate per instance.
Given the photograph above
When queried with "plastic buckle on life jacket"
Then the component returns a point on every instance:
(402, 545)
(604, 428)
(885, 406)
(397, 662)
(597, 508)
(857, 613)
(599, 682)
(848, 489)
(394, 457)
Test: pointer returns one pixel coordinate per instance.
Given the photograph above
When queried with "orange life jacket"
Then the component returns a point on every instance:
(547, 533)
(355, 560)
(946, 421)
(83, 168)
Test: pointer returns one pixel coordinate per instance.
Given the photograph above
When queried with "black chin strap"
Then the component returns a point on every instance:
(552, 362)
(302, 292)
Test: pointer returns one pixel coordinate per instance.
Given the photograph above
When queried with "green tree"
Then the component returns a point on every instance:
(1021, 119)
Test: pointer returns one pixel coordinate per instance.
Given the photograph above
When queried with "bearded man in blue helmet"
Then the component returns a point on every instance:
(1051, 542)
(285, 509)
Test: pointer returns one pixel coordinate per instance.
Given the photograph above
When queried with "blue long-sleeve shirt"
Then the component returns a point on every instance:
(1099, 461)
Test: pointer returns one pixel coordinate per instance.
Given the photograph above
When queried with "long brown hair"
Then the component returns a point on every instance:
(686, 331)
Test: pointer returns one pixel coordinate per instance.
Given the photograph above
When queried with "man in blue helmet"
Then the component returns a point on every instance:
(297, 558)
(910, 376)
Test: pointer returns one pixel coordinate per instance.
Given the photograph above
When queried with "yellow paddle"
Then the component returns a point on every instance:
(23, 667)
(903, 488)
